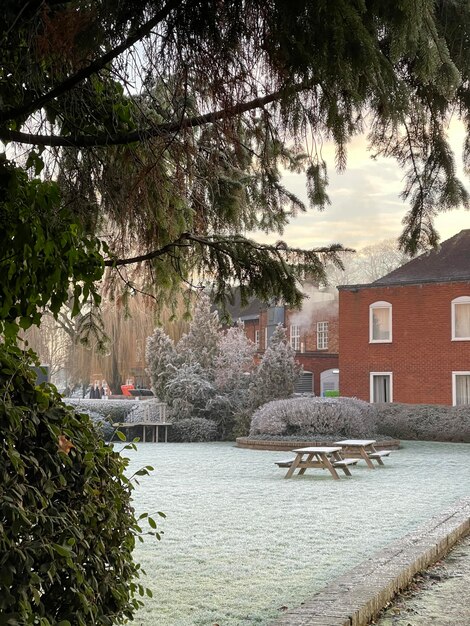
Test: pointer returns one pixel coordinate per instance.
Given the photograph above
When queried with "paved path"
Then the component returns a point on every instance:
(439, 596)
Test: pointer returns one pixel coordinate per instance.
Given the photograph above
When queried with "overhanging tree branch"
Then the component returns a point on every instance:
(221, 243)
(94, 67)
(181, 241)
(90, 141)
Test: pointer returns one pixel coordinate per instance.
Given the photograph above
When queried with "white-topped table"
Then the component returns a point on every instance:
(364, 447)
(323, 457)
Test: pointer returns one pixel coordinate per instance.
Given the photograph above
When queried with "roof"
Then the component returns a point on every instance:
(449, 262)
(249, 312)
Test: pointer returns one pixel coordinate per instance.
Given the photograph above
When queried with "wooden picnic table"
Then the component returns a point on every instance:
(323, 457)
(366, 449)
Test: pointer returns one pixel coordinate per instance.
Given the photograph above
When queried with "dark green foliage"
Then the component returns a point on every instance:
(44, 253)
(67, 528)
(425, 422)
(177, 145)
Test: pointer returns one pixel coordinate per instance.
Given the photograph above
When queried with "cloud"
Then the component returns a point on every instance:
(365, 202)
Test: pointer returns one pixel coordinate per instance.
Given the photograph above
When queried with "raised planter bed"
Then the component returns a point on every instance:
(279, 444)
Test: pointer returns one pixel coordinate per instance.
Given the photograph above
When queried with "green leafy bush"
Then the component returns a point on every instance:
(67, 527)
(426, 422)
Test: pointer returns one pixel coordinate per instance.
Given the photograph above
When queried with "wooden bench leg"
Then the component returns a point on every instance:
(304, 469)
(366, 458)
(327, 464)
(293, 467)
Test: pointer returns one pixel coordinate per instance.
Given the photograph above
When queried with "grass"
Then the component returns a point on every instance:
(240, 542)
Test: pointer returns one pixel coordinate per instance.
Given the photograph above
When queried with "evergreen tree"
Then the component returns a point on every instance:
(171, 168)
(278, 371)
(235, 365)
(235, 360)
(201, 344)
(160, 355)
(189, 392)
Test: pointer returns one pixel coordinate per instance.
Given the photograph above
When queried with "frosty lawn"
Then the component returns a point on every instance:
(236, 529)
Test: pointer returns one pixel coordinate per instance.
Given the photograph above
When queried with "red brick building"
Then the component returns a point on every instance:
(312, 331)
(406, 337)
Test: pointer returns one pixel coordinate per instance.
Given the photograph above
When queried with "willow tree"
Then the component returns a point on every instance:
(164, 124)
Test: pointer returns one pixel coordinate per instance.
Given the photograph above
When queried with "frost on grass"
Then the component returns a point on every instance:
(303, 415)
(236, 529)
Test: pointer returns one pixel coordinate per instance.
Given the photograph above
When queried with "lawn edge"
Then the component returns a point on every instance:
(357, 596)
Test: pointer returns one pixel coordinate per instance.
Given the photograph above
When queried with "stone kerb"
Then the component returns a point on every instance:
(357, 596)
(283, 445)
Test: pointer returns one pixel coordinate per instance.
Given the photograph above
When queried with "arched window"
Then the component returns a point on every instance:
(461, 319)
(380, 322)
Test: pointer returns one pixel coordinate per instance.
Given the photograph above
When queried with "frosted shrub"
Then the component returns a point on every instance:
(427, 422)
(346, 417)
(193, 429)
(111, 410)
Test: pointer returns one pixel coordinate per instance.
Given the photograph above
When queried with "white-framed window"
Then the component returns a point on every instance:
(461, 319)
(380, 322)
(322, 335)
(381, 387)
(265, 337)
(257, 339)
(294, 333)
(460, 388)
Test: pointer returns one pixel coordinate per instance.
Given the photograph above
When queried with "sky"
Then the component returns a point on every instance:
(366, 207)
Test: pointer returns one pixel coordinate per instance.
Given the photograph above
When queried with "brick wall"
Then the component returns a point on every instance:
(312, 360)
(421, 356)
(317, 362)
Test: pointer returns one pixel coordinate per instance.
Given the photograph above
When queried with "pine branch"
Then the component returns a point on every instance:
(223, 244)
(180, 242)
(90, 141)
(93, 68)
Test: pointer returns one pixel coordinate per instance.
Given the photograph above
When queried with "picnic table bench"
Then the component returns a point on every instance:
(364, 449)
(323, 457)
(378, 454)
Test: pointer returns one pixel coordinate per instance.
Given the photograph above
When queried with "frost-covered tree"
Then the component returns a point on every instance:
(211, 373)
(201, 343)
(234, 362)
(189, 392)
(278, 371)
(160, 354)
(233, 376)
